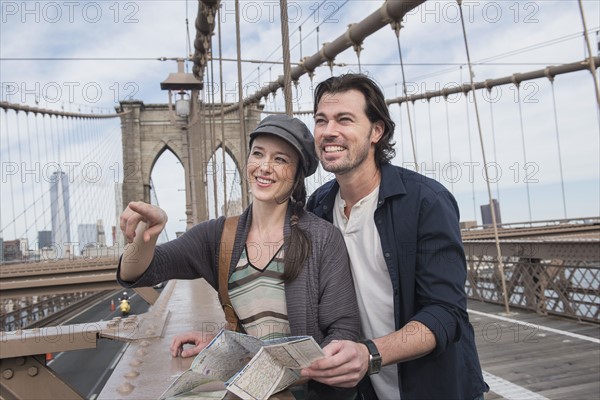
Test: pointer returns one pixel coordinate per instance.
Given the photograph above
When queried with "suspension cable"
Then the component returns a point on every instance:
(494, 143)
(244, 146)
(47, 223)
(299, 42)
(21, 163)
(472, 179)
(213, 139)
(226, 204)
(525, 163)
(287, 70)
(415, 130)
(590, 62)
(36, 110)
(357, 49)
(490, 83)
(400, 133)
(560, 166)
(187, 31)
(492, 208)
(430, 132)
(12, 198)
(396, 26)
(31, 160)
(449, 140)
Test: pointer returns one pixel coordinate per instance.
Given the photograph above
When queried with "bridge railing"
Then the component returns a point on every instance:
(547, 286)
(40, 310)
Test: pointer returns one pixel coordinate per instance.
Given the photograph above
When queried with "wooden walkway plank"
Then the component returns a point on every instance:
(535, 356)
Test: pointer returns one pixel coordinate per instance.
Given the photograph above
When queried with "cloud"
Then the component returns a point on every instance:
(88, 56)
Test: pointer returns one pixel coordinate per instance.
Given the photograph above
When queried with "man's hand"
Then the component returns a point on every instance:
(138, 211)
(345, 364)
(198, 339)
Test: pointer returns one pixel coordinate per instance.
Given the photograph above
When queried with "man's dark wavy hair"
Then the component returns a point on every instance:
(376, 109)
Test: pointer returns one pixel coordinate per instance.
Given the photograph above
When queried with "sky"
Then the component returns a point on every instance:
(86, 56)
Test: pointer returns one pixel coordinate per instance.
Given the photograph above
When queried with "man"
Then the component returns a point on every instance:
(402, 233)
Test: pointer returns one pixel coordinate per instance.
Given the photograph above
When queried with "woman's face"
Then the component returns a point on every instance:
(271, 169)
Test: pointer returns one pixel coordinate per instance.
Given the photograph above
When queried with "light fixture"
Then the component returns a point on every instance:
(181, 80)
(187, 104)
(182, 105)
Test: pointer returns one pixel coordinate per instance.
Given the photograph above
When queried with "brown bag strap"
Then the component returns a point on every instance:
(225, 252)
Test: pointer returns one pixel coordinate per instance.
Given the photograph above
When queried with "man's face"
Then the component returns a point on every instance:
(344, 136)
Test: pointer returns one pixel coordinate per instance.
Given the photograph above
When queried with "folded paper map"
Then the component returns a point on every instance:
(246, 366)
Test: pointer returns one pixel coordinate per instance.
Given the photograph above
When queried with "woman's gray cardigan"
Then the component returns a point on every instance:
(321, 301)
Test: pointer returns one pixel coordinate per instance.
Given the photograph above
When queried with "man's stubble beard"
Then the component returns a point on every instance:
(344, 166)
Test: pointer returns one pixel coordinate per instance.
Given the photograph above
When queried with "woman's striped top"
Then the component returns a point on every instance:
(258, 297)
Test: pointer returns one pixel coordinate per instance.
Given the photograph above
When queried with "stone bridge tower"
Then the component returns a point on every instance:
(148, 130)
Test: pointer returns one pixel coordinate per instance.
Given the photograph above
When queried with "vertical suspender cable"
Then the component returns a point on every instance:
(12, 198)
(297, 95)
(357, 49)
(20, 157)
(495, 226)
(471, 178)
(287, 70)
(86, 186)
(202, 144)
(300, 43)
(449, 141)
(415, 130)
(525, 164)
(48, 155)
(55, 140)
(430, 132)
(245, 199)
(241, 98)
(396, 25)
(77, 187)
(86, 195)
(318, 44)
(213, 139)
(1, 161)
(560, 167)
(494, 143)
(24, 202)
(225, 203)
(401, 133)
(188, 40)
(61, 223)
(32, 164)
(591, 64)
(39, 158)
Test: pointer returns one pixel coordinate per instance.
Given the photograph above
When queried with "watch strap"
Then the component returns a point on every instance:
(374, 357)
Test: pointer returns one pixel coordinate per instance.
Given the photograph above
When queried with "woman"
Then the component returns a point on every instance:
(289, 272)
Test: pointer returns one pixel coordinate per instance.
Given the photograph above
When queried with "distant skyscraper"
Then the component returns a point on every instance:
(44, 239)
(100, 233)
(486, 214)
(59, 206)
(87, 234)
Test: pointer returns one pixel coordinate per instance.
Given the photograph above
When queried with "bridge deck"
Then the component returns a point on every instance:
(523, 355)
(146, 368)
(530, 356)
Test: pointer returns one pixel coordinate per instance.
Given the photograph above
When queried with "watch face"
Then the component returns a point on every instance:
(374, 357)
(376, 365)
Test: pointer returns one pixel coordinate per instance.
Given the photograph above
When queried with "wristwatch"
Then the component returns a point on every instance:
(374, 357)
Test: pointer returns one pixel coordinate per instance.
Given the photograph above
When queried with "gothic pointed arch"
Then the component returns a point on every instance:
(147, 132)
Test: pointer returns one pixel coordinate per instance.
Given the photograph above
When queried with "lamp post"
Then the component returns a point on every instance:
(181, 82)
(185, 116)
